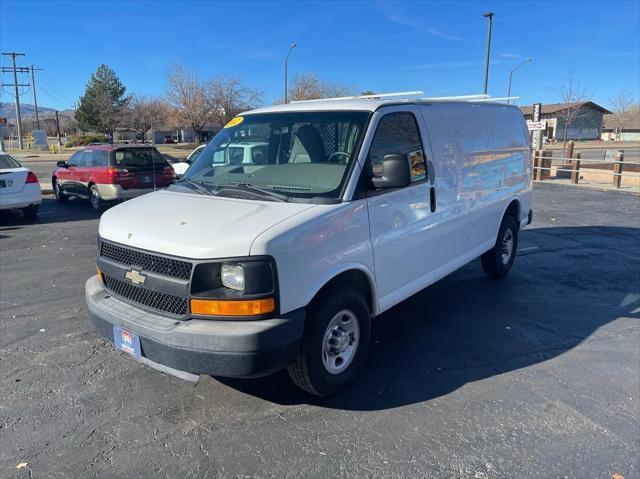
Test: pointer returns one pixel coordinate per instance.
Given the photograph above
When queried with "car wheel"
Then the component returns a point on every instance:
(60, 196)
(96, 200)
(335, 343)
(497, 262)
(31, 211)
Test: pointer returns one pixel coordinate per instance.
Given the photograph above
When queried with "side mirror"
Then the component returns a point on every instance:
(395, 172)
(62, 164)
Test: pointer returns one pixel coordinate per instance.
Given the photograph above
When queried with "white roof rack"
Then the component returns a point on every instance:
(366, 97)
(459, 97)
(502, 98)
(464, 98)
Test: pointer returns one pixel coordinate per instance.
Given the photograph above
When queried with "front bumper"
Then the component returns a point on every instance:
(219, 348)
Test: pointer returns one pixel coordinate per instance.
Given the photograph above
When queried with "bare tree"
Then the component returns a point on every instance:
(189, 100)
(573, 97)
(143, 113)
(310, 87)
(623, 110)
(229, 97)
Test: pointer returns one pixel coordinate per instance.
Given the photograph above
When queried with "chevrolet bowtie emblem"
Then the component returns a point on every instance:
(135, 277)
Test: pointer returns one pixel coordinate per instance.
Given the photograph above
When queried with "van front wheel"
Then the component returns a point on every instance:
(335, 343)
(498, 260)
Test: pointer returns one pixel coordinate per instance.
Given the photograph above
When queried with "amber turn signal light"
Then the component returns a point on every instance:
(99, 274)
(254, 307)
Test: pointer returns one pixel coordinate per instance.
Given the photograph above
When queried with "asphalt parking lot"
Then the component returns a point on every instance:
(535, 376)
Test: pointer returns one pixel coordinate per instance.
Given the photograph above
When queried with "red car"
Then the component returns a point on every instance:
(103, 173)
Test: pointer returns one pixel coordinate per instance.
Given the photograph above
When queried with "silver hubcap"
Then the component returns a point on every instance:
(507, 246)
(340, 342)
(95, 199)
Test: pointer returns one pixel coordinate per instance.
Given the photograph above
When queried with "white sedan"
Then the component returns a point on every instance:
(19, 187)
(180, 167)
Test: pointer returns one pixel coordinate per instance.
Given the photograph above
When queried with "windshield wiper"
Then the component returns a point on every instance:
(200, 187)
(256, 189)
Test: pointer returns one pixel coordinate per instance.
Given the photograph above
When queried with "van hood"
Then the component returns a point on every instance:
(192, 225)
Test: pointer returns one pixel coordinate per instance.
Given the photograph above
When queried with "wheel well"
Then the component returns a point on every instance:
(513, 210)
(355, 279)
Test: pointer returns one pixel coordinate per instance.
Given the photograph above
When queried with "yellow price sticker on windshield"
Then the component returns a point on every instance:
(236, 121)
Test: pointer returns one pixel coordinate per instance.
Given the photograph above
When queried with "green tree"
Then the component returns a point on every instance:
(102, 103)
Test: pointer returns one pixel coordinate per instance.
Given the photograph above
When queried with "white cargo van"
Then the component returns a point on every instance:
(247, 267)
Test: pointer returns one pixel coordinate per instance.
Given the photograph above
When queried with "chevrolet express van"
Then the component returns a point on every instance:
(245, 268)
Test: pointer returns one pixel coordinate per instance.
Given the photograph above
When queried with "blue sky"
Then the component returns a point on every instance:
(437, 47)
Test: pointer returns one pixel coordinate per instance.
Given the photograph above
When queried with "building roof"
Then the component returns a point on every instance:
(558, 107)
(355, 104)
(630, 123)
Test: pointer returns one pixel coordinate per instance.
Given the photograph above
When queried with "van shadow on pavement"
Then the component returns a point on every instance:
(567, 283)
(75, 209)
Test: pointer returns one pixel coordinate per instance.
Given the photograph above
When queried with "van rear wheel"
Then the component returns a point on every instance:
(497, 262)
(335, 343)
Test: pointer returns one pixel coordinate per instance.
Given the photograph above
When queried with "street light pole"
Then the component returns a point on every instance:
(286, 61)
(488, 15)
(528, 60)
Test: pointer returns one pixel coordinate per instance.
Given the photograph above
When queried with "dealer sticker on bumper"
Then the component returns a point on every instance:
(126, 341)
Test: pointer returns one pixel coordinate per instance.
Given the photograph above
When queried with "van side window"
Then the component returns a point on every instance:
(397, 134)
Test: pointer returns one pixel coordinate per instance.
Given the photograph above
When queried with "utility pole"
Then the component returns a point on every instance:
(58, 128)
(488, 15)
(35, 100)
(13, 56)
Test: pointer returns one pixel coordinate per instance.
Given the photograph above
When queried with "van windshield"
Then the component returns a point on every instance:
(299, 155)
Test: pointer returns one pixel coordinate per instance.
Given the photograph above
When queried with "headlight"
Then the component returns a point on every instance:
(232, 276)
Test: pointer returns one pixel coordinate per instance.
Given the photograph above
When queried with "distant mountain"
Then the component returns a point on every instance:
(8, 110)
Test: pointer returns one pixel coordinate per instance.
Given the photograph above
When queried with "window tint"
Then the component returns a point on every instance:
(140, 159)
(98, 158)
(397, 134)
(85, 158)
(7, 161)
(75, 158)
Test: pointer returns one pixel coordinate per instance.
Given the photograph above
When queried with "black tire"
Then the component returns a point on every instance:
(496, 262)
(309, 371)
(60, 196)
(31, 211)
(95, 199)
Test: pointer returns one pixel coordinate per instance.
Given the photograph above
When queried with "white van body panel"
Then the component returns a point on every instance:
(315, 246)
(192, 225)
(480, 163)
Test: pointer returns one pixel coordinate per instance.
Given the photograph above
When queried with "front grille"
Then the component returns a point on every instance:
(145, 261)
(166, 303)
